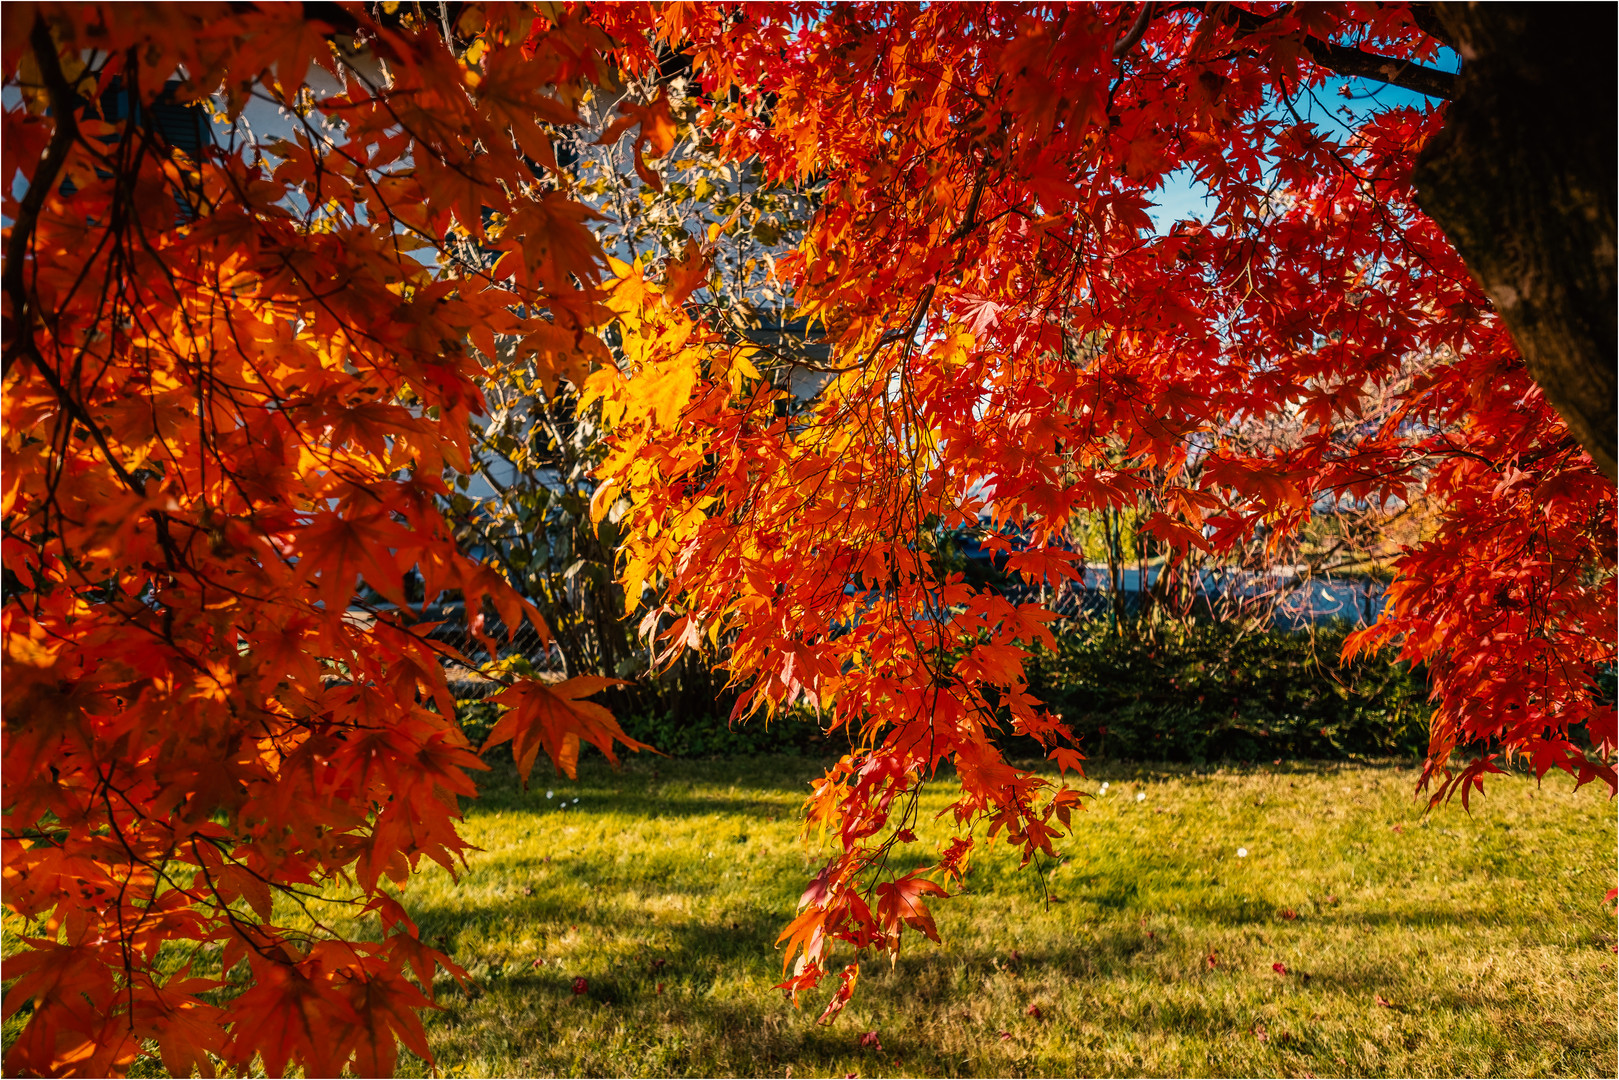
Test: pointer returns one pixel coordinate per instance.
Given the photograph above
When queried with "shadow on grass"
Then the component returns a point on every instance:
(792, 775)
(709, 1028)
(714, 954)
(770, 787)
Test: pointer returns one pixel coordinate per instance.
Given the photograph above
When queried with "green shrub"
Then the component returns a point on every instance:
(1204, 694)
(1211, 692)
(795, 734)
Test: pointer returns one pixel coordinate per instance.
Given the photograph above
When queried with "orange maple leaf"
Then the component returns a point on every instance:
(901, 902)
(552, 717)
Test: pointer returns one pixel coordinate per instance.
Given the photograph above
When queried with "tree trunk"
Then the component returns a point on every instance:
(1522, 181)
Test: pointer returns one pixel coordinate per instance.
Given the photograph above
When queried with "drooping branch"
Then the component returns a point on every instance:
(20, 324)
(20, 328)
(1522, 180)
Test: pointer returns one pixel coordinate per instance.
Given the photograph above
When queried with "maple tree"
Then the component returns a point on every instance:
(1014, 344)
(237, 372)
(237, 367)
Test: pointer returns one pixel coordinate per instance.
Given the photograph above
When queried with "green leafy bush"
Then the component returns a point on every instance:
(1206, 693)
(1211, 692)
(793, 735)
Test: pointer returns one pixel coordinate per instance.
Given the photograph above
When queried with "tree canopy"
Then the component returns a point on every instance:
(239, 366)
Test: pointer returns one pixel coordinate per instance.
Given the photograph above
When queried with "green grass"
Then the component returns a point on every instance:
(1452, 944)
(1486, 934)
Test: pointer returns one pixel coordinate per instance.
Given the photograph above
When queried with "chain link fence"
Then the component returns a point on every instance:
(470, 679)
(1287, 600)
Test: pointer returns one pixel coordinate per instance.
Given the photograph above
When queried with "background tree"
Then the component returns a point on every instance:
(658, 202)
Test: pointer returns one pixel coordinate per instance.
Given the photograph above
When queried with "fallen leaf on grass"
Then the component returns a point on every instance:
(1034, 1011)
(1289, 914)
(580, 985)
(1005, 1036)
(1279, 967)
(870, 1041)
(1379, 999)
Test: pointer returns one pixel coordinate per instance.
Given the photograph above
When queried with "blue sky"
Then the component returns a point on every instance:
(1182, 197)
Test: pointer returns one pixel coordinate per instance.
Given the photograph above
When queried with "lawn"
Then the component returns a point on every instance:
(1452, 944)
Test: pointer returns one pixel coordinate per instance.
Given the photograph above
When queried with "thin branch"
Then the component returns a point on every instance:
(1364, 65)
(1137, 30)
(63, 100)
(1347, 60)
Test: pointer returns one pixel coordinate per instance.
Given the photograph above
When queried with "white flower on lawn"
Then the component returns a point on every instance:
(1141, 796)
(550, 794)
(1242, 853)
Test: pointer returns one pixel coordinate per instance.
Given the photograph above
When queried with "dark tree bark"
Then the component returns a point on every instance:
(1522, 180)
